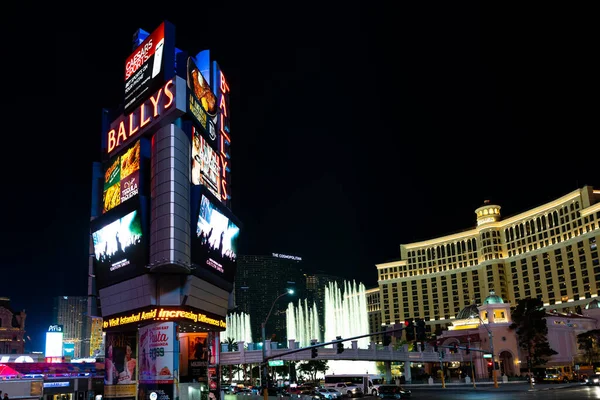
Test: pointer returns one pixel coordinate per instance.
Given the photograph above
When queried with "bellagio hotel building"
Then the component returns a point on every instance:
(549, 252)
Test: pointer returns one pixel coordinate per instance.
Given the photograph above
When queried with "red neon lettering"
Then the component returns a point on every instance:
(131, 129)
(111, 140)
(223, 106)
(122, 133)
(169, 94)
(143, 121)
(224, 189)
(224, 86)
(155, 103)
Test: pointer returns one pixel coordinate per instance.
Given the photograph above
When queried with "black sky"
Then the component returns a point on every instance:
(354, 130)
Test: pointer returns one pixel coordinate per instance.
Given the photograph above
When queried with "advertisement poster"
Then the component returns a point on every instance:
(122, 178)
(206, 164)
(144, 69)
(194, 356)
(120, 365)
(157, 353)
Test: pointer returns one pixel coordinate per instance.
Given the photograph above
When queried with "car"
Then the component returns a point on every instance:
(349, 390)
(313, 394)
(393, 392)
(593, 380)
(244, 392)
(335, 394)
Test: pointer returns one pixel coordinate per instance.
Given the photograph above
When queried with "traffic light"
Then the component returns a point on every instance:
(468, 349)
(435, 346)
(489, 364)
(314, 352)
(454, 348)
(421, 329)
(410, 330)
(340, 345)
(422, 346)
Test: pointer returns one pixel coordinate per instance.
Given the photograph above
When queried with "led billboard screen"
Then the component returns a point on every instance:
(120, 246)
(147, 68)
(54, 344)
(122, 178)
(215, 242)
(206, 164)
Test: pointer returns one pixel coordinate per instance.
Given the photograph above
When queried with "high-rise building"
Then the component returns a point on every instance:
(549, 252)
(71, 313)
(258, 281)
(374, 313)
(12, 328)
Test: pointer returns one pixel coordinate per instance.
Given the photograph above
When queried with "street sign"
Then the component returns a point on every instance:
(275, 363)
(487, 356)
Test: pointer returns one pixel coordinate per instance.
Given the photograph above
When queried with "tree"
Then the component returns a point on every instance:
(589, 343)
(232, 345)
(312, 367)
(529, 322)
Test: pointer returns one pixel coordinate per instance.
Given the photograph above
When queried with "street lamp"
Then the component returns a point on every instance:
(491, 335)
(263, 379)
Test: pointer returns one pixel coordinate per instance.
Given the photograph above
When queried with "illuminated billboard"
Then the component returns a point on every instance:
(215, 240)
(120, 364)
(149, 66)
(122, 178)
(223, 129)
(206, 164)
(54, 344)
(120, 245)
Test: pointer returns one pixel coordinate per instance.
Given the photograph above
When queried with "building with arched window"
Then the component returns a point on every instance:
(549, 252)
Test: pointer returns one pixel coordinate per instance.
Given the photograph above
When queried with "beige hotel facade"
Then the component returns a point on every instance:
(549, 252)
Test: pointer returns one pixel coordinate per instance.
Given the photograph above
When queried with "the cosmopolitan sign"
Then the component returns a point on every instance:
(164, 314)
(162, 108)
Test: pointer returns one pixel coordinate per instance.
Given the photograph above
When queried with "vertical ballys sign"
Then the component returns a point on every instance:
(151, 114)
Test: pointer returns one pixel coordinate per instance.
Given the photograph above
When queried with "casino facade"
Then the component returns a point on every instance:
(163, 239)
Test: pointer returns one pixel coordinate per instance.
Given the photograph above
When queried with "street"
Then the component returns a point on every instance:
(573, 391)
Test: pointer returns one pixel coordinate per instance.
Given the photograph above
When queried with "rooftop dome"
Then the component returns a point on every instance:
(592, 305)
(493, 299)
(469, 311)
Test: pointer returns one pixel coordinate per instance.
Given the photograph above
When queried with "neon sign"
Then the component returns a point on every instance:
(160, 104)
(163, 314)
(224, 130)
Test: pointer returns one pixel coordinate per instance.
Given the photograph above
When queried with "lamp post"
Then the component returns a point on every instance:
(491, 335)
(263, 379)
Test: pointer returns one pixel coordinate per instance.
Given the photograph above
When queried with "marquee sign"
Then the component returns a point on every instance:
(182, 314)
(167, 101)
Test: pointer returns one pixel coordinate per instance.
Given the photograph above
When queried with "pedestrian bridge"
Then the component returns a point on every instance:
(329, 352)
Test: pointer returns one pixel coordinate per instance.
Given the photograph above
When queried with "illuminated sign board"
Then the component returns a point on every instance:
(275, 363)
(202, 103)
(182, 313)
(150, 114)
(54, 344)
(120, 244)
(55, 328)
(147, 68)
(122, 178)
(206, 164)
(214, 247)
(224, 134)
(56, 384)
(287, 257)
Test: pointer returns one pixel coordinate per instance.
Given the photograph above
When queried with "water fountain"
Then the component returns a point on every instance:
(238, 328)
(345, 315)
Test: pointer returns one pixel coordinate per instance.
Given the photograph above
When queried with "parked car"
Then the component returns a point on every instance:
(313, 394)
(393, 392)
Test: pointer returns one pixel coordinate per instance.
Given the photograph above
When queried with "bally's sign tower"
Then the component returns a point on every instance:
(164, 240)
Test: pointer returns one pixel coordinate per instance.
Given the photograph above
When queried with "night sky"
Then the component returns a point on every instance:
(354, 130)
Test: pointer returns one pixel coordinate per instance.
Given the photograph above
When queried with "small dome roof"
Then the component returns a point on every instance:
(592, 305)
(469, 311)
(493, 298)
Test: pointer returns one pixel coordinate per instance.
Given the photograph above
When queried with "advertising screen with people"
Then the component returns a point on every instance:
(215, 243)
(120, 364)
(120, 248)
